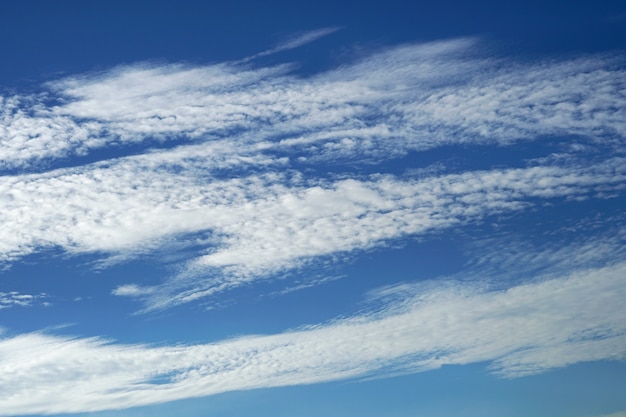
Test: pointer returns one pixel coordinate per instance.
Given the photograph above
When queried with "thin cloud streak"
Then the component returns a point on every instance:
(521, 330)
(296, 42)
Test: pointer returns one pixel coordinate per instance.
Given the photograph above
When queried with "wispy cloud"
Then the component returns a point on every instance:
(262, 223)
(228, 152)
(350, 215)
(521, 330)
(17, 299)
(409, 97)
(297, 41)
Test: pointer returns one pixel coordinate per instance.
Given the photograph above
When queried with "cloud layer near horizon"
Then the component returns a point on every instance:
(521, 330)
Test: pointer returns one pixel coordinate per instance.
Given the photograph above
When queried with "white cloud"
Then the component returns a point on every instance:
(131, 290)
(280, 232)
(514, 103)
(17, 299)
(409, 97)
(259, 223)
(29, 131)
(241, 134)
(554, 254)
(297, 41)
(258, 126)
(521, 330)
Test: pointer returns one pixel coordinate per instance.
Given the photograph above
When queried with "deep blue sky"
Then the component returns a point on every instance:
(329, 208)
(41, 39)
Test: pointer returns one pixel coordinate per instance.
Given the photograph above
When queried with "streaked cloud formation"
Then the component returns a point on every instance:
(521, 330)
(257, 171)
(243, 136)
(409, 97)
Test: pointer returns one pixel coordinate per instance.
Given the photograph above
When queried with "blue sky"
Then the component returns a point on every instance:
(335, 208)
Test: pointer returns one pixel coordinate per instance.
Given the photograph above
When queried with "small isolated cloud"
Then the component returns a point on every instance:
(131, 290)
(17, 299)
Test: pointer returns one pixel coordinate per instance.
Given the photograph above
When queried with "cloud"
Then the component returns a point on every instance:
(31, 132)
(521, 330)
(261, 223)
(225, 157)
(412, 97)
(297, 41)
(17, 299)
(131, 290)
(552, 254)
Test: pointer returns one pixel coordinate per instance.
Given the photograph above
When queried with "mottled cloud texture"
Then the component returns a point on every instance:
(257, 171)
(521, 330)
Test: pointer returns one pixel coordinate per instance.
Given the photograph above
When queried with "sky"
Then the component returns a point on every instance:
(300, 209)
